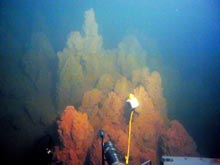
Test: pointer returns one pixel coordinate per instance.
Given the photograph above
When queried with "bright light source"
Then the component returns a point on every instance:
(132, 101)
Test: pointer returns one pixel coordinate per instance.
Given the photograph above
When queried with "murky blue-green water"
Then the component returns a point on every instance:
(179, 39)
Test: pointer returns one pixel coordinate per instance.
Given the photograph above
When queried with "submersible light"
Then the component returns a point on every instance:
(132, 101)
(133, 104)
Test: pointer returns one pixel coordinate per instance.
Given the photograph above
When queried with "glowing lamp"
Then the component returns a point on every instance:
(132, 101)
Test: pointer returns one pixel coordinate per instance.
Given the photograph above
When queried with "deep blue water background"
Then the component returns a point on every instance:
(181, 38)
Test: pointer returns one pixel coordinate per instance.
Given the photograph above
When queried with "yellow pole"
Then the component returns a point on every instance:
(129, 139)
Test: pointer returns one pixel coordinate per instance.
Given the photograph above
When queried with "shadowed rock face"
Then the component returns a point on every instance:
(177, 142)
(28, 110)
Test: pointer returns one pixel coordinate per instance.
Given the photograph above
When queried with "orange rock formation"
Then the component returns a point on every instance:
(149, 139)
(76, 135)
(99, 81)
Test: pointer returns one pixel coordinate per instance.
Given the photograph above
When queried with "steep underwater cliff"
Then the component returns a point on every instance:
(27, 106)
(97, 82)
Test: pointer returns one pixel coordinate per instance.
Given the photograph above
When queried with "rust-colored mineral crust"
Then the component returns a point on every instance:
(76, 135)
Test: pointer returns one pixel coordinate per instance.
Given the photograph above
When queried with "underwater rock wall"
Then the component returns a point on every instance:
(39, 64)
(151, 136)
(98, 82)
(79, 65)
(177, 142)
(28, 111)
(76, 135)
(84, 61)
